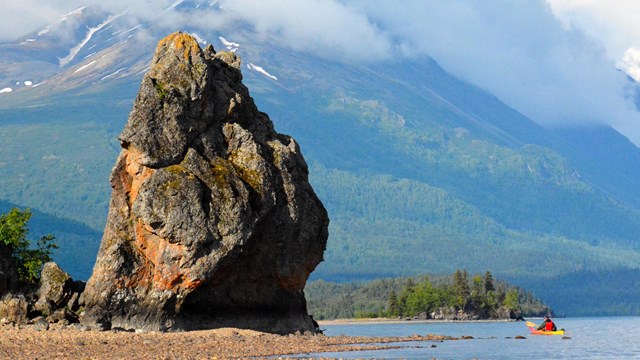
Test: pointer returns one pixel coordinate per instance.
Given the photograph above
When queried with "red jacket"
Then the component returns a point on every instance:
(549, 326)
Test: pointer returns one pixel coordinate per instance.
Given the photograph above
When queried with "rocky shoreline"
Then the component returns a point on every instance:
(74, 342)
(405, 320)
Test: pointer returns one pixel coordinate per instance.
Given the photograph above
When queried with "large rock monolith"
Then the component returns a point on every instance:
(212, 220)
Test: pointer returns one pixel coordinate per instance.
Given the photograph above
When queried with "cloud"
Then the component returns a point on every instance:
(553, 61)
(616, 27)
(519, 51)
(18, 18)
(330, 29)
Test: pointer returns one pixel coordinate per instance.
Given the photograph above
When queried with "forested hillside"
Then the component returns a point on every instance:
(419, 171)
(590, 292)
(389, 226)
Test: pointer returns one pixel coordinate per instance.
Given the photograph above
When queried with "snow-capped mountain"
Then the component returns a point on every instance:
(89, 46)
(83, 47)
(420, 170)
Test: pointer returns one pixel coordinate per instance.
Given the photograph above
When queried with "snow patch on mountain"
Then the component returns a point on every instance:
(44, 31)
(630, 63)
(6, 90)
(132, 29)
(113, 73)
(261, 70)
(73, 52)
(173, 6)
(144, 70)
(84, 66)
(77, 11)
(230, 45)
(199, 39)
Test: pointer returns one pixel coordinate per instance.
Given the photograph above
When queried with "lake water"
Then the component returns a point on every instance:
(591, 338)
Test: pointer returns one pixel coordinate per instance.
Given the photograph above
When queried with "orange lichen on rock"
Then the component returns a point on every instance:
(137, 172)
(165, 258)
(180, 42)
(139, 278)
(174, 281)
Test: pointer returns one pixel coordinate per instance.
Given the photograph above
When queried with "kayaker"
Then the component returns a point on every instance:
(547, 325)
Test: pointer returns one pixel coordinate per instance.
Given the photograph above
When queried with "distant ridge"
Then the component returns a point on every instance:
(421, 171)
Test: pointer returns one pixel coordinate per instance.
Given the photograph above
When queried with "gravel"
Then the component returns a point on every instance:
(64, 342)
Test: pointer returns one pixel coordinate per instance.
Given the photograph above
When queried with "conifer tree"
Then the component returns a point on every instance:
(461, 287)
(488, 282)
(393, 308)
(511, 300)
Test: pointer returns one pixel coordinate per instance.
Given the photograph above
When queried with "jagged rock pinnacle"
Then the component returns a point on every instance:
(212, 221)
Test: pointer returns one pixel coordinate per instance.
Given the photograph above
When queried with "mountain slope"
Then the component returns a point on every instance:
(420, 171)
(606, 159)
(463, 150)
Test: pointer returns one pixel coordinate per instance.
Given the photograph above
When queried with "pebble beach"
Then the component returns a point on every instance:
(62, 342)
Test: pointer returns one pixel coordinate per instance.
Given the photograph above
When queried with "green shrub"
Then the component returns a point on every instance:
(13, 234)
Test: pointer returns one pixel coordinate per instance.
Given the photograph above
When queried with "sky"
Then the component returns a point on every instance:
(555, 61)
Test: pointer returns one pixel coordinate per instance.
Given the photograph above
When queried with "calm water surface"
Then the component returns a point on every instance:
(591, 338)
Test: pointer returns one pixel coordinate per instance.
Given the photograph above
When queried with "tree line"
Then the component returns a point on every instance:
(456, 296)
(477, 297)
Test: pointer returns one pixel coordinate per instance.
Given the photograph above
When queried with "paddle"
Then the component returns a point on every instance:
(530, 324)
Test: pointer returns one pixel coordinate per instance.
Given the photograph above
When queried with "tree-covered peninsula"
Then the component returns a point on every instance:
(459, 296)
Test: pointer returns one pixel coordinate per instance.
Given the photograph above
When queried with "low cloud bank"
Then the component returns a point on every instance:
(543, 58)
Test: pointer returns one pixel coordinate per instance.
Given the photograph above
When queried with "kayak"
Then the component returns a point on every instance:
(533, 328)
(542, 332)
